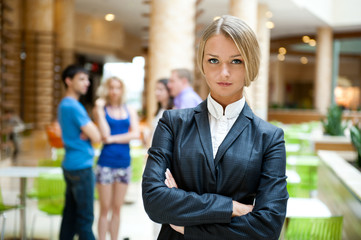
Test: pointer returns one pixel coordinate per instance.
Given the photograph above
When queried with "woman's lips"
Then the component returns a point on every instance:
(224, 84)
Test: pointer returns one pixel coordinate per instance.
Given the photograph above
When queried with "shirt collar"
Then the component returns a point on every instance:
(232, 110)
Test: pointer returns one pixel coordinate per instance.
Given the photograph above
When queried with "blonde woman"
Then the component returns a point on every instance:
(217, 171)
(118, 125)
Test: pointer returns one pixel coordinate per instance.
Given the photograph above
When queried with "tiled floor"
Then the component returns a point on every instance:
(135, 224)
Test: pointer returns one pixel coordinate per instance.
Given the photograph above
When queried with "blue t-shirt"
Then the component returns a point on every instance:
(79, 153)
(116, 155)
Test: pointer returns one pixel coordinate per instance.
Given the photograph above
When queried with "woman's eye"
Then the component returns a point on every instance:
(213, 60)
(237, 61)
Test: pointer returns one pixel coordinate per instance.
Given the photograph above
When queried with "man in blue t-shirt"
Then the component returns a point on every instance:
(78, 132)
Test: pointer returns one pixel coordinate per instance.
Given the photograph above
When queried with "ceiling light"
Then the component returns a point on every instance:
(306, 39)
(312, 42)
(109, 17)
(281, 57)
(282, 50)
(269, 14)
(270, 25)
(303, 60)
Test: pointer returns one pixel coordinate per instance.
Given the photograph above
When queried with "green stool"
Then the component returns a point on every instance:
(316, 228)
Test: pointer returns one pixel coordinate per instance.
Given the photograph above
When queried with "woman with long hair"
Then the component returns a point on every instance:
(118, 125)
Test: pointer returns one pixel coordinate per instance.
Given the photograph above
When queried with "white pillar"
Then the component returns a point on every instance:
(323, 69)
(278, 93)
(65, 29)
(246, 10)
(260, 86)
(39, 67)
(171, 42)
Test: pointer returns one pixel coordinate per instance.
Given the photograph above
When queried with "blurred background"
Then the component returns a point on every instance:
(311, 61)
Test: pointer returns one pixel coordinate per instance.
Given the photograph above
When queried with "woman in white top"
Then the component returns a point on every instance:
(164, 99)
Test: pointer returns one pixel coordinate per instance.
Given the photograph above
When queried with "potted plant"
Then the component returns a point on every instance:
(333, 125)
(355, 132)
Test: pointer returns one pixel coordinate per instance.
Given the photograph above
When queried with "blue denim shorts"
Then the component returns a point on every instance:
(108, 175)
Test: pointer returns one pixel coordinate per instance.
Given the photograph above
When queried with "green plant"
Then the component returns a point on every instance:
(356, 141)
(332, 125)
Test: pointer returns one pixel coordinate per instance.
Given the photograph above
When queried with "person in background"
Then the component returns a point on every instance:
(180, 85)
(118, 124)
(78, 133)
(164, 99)
(217, 171)
(13, 126)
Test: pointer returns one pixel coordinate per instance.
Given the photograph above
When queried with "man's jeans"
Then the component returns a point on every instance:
(78, 213)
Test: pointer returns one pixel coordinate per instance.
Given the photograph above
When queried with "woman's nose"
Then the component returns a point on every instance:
(225, 70)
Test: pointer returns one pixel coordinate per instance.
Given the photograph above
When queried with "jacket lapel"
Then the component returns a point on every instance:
(202, 122)
(241, 123)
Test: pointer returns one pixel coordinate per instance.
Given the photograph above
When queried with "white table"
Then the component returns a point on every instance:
(307, 207)
(24, 173)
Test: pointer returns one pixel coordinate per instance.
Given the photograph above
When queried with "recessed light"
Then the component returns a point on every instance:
(109, 17)
(270, 25)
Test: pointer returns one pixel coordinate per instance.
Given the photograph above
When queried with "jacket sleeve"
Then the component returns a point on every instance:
(176, 206)
(267, 217)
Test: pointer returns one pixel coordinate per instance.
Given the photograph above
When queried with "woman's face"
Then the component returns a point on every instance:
(224, 69)
(161, 92)
(115, 90)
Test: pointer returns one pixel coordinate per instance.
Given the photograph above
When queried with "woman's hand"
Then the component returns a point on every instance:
(240, 209)
(177, 228)
(99, 107)
(100, 103)
(108, 139)
(170, 182)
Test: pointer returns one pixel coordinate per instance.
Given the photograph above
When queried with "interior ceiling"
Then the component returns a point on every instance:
(289, 19)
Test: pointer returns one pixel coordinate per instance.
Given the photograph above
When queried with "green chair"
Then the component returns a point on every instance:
(50, 190)
(298, 190)
(313, 228)
(50, 162)
(306, 168)
(46, 162)
(4, 208)
(57, 153)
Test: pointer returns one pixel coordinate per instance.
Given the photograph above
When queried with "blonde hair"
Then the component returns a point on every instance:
(243, 37)
(103, 90)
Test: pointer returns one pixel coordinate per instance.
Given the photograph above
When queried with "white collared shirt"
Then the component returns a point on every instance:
(221, 124)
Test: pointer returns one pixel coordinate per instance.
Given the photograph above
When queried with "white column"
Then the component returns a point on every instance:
(278, 93)
(171, 42)
(65, 29)
(246, 10)
(323, 69)
(260, 86)
(39, 67)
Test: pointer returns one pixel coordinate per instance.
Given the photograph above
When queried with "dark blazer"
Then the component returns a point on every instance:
(250, 164)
